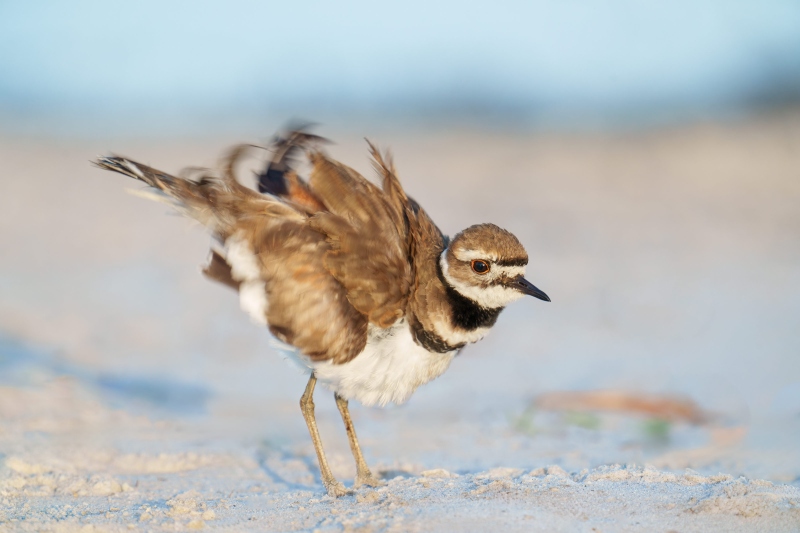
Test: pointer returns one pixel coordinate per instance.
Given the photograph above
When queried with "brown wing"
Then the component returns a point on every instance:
(427, 309)
(348, 255)
(377, 240)
(307, 307)
(369, 253)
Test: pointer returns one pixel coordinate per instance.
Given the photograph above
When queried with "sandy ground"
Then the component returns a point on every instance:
(134, 395)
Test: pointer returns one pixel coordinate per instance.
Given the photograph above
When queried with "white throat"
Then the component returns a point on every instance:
(490, 297)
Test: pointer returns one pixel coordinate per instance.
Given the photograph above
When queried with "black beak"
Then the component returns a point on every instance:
(526, 287)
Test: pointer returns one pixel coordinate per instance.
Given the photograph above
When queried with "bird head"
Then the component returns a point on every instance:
(486, 264)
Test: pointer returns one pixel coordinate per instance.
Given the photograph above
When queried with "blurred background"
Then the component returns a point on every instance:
(92, 68)
(647, 154)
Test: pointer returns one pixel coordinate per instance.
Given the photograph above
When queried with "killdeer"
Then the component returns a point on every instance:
(356, 280)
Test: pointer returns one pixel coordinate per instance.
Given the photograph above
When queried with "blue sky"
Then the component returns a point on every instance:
(559, 58)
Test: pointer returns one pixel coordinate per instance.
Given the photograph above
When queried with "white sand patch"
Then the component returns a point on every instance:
(437, 473)
(164, 463)
(37, 481)
(500, 473)
(36, 497)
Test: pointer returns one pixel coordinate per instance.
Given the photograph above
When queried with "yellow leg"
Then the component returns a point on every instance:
(334, 488)
(363, 475)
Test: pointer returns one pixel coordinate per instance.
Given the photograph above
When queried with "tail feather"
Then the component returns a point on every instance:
(132, 169)
(193, 198)
(216, 202)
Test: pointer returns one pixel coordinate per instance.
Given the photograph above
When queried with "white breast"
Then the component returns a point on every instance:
(389, 369)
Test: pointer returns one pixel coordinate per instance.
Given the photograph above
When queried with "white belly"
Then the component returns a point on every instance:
(388, 370)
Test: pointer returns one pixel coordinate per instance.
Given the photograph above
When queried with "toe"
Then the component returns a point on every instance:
(335, 490)
(368, 480)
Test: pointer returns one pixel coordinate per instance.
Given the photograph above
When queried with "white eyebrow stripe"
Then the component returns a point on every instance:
(497, 270)
(469, 255)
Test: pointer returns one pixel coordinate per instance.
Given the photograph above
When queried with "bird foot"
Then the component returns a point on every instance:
(336, 489)
(367, 479)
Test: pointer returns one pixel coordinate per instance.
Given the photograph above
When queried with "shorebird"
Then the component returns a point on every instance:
(355, 279)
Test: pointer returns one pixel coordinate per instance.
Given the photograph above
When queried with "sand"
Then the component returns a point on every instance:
(134, 395)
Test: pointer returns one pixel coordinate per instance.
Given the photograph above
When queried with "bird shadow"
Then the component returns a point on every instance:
(282, 466)
(23, 365)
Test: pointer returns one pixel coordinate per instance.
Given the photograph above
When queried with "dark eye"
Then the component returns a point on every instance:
(481, 267)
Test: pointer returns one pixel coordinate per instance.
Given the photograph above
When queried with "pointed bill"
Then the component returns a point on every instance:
(526, 287)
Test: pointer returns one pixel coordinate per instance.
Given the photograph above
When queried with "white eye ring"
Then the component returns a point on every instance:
(479, 266)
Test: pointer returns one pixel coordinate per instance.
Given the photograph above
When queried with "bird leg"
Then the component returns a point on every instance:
(363, 475)
(334, 488)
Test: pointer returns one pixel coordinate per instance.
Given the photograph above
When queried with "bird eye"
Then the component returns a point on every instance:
(480, 267)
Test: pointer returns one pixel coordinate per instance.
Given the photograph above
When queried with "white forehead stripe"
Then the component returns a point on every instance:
(508, 271)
